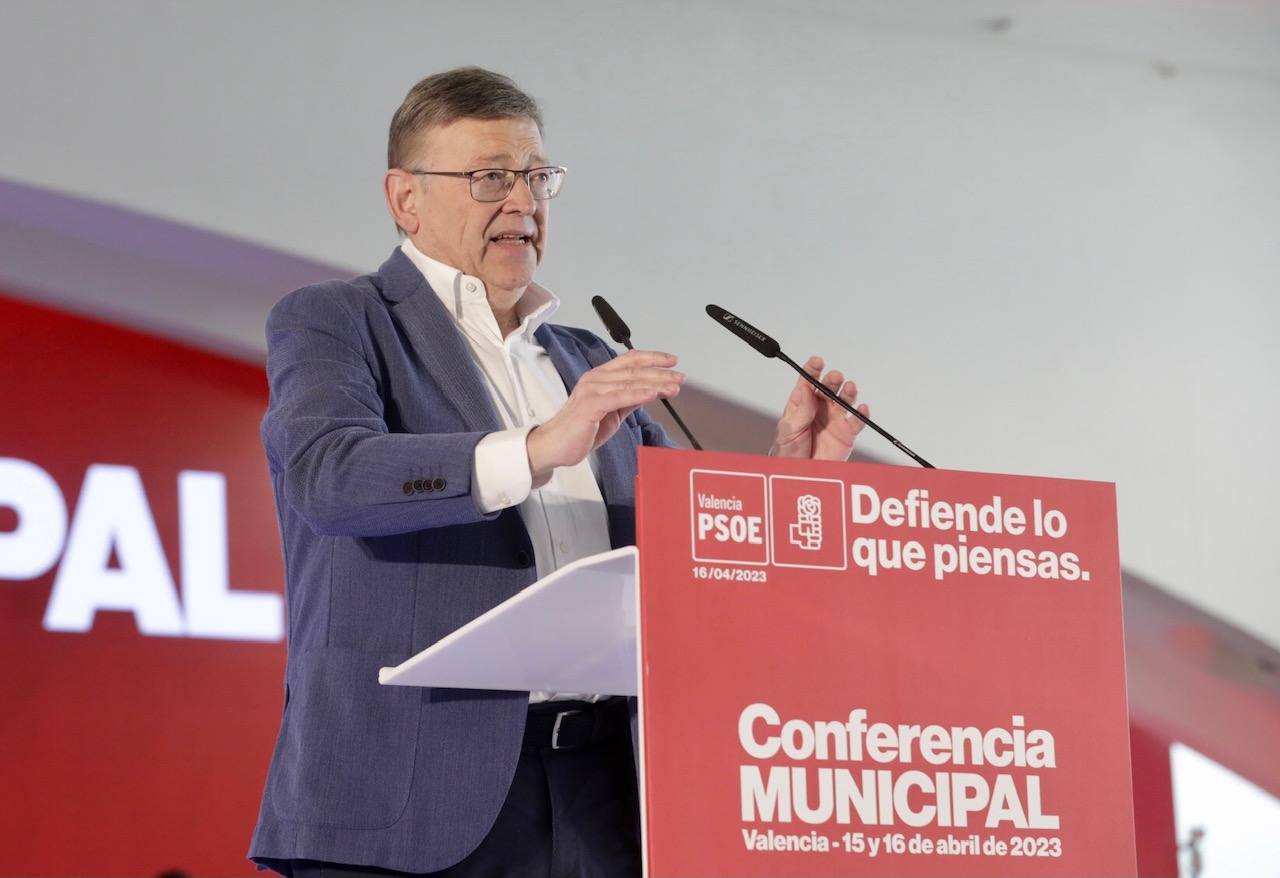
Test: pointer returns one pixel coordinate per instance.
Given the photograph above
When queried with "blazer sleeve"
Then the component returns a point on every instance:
(326, 437)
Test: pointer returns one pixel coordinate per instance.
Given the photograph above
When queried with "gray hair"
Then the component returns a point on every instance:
(461, 93)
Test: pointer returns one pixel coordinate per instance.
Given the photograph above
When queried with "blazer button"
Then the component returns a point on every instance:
(427, 486)
(438, 484)
(408, 487)
(417, 484)
(523, 558)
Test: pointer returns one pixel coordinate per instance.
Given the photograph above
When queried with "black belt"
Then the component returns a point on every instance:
(571, 725)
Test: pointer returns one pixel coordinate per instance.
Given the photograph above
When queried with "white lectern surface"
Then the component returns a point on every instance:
(574, 631)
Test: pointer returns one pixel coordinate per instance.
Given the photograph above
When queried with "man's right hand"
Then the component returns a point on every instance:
(600, 401)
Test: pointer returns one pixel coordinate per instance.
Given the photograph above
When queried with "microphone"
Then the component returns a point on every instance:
(770, 348)
(745, 331)
(619, 332)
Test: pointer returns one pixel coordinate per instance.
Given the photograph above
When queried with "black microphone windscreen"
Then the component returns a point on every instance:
(613, 324)
(744, 330)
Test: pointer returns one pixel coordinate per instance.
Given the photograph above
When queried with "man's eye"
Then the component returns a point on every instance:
(540, 176)
(491, 177)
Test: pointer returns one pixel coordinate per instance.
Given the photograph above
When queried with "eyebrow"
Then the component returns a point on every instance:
(535, 161)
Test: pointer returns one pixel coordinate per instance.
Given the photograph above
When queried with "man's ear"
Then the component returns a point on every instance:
(399, 187)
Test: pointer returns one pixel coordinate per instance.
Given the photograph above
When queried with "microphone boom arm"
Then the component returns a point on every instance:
(619, 332)
(769, 349)
(831, 395)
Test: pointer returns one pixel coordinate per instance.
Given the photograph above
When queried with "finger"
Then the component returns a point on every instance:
(610, 423)
(801, 398)
(639, 374)
(629, 397)
(832, 381)
(799, 409)
(813, 368)
(602, 395)
(857, 423)
(633, 359)
(848, 391)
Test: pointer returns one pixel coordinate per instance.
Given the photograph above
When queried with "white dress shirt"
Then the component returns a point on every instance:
(564, 513)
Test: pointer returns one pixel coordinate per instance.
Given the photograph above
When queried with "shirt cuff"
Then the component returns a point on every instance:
(500, 475)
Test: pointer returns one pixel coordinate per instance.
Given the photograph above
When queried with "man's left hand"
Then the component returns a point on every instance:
(812, 425)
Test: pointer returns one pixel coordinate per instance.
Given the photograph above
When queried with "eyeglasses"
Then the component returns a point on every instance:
(494, 184)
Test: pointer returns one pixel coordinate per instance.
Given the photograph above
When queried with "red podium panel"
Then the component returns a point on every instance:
(853, 669)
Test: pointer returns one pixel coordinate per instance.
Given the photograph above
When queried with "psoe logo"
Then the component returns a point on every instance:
(806, 530)
(809, 523)
(729, 516)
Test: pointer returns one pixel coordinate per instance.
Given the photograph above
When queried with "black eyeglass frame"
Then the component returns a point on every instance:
(470, 177)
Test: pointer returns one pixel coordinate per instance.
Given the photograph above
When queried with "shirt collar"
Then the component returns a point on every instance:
(459, 292)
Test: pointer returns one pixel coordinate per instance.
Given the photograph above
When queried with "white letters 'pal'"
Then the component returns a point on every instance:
(31, 549)
(212, 609)
(113, 511)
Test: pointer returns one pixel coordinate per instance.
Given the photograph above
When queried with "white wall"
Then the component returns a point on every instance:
(1048, 247)
(1236, 819)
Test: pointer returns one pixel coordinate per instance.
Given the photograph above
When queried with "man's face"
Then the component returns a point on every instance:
(499, 242)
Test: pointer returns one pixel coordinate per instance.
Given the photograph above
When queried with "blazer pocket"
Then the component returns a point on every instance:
(349, 742)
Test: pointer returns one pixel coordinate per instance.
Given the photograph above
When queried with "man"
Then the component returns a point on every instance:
(436, 446)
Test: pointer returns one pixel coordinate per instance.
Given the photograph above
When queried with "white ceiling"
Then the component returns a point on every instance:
(1044, 236)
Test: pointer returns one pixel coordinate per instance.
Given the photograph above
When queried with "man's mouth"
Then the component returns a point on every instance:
(511, 240)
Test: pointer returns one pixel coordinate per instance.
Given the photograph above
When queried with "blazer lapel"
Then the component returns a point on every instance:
(437, 342)
(571, 365)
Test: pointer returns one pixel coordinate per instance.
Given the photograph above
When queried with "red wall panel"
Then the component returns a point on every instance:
(120, 753)
(1153, 804)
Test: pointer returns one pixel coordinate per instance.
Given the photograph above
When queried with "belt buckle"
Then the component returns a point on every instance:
(555, 729)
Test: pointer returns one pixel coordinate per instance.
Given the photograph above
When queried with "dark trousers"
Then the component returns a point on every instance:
(572, 812)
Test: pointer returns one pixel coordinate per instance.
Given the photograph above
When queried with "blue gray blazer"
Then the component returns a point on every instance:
(376, 407)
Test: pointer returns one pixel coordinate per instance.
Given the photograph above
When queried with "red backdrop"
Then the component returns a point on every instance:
(125, 754)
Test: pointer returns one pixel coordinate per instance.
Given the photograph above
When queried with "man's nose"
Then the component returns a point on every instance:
(520, 199)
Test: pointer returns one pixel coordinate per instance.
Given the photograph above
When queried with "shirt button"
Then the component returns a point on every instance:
(531, 411)
(471, 288)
